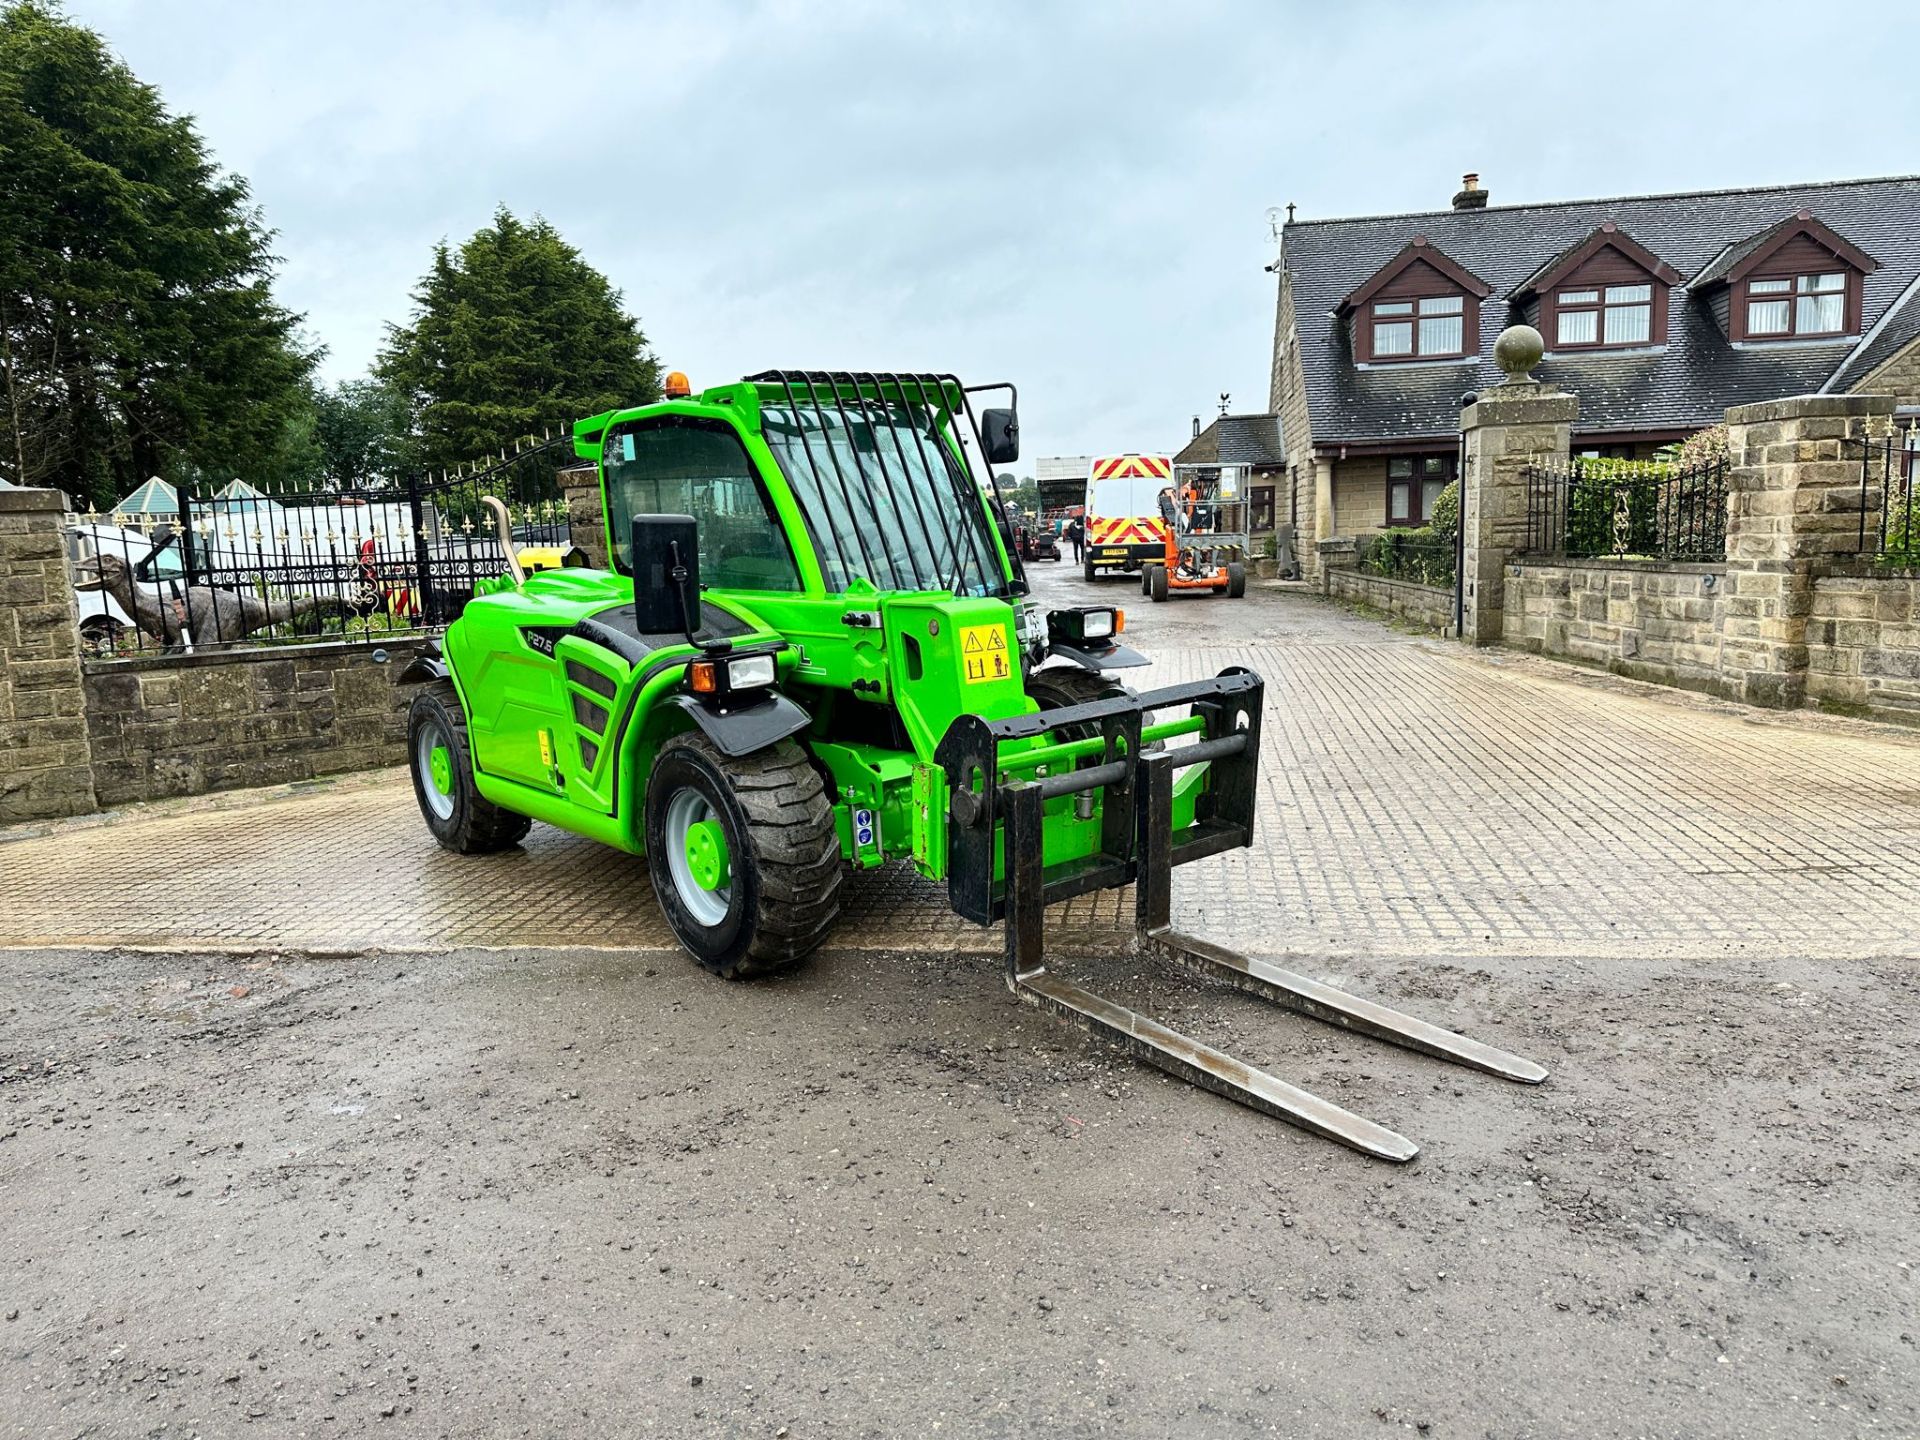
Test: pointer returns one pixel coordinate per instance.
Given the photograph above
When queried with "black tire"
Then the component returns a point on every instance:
(783, 892)
(1236, 580)
(1157, 583)
(1059, 686)
(461, 818)
(1091, 572)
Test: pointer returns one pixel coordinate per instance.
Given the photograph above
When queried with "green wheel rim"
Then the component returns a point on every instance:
(707, 858)
(440, 768)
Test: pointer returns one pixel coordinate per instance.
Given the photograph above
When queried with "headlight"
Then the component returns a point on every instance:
(1087, 625)
(746, 671)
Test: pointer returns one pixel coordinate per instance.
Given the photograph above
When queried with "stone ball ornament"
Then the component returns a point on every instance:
(1517, 351)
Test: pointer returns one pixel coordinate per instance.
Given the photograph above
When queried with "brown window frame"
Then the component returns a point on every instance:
(1598, 308)
(1416, 483)
(1260, 504)
(1412, 319)
(1791, 296)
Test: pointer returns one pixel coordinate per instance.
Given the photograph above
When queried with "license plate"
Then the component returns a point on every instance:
(1113, 552)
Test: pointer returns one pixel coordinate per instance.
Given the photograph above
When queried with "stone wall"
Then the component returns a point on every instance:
(1648, 620)
(46, 768)
(1422, 605)
(1360, 495)
(1792, 616)
(189, 724)
(1863, 642)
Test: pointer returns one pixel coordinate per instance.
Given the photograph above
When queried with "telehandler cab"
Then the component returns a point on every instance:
(814, 651)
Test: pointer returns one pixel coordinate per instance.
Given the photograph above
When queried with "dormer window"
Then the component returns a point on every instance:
(1798, 279)
(1605, 292)
(1420, 305)
(1607, 315)
(1797, 305)
(1430, 328)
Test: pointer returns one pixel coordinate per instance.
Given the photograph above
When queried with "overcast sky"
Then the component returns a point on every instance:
(1071, 196)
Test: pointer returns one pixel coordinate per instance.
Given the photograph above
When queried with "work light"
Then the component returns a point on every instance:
(1096, 625)
(746, 671)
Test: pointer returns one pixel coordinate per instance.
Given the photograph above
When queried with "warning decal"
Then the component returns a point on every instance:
(984, 649)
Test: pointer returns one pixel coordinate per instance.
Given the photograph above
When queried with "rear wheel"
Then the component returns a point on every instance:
(1157, 583)
(460, 817)
(1236, 580)
(1090, 572)
(743, 853)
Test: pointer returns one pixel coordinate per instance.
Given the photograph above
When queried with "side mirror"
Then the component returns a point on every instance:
(665, 556)
(1000, 436)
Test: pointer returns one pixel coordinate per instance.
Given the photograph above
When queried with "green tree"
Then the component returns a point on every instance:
(510, 334)
(138, 331)
(362, 430)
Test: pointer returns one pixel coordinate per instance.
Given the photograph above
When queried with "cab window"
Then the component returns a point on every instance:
(676, 465)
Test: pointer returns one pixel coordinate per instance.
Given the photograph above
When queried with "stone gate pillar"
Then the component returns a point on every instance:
(1509, 426)
(46, 763)
(1794, 498)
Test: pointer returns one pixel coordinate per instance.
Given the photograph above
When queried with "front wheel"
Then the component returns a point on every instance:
(1236, 580)
(460, 817)
(743, 853)
(1157, 583)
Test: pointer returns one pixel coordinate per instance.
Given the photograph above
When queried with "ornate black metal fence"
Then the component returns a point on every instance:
(1626, 509)
(193, 566)
(1424, 557)
(1889, 502)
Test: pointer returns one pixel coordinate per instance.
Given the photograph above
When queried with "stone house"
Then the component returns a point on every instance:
(1658, 311)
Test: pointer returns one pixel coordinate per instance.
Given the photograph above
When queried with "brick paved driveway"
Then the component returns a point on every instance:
(1418, 799)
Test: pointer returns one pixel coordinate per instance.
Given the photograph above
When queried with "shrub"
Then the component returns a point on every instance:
(1424, 556)
(1446, 511)
(1703, 447)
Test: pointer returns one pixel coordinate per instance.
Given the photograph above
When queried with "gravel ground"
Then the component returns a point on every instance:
(588, 1193)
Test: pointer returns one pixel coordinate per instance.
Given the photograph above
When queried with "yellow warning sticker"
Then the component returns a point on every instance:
(984, 648)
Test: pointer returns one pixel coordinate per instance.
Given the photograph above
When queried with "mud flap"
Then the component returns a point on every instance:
(748, 728)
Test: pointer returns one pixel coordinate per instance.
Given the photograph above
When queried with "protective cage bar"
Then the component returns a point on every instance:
(958, 546)
(1233, 750)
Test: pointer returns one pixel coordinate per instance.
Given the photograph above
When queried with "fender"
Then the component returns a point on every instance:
(426, 665)
(1111, 657)
(753, 727)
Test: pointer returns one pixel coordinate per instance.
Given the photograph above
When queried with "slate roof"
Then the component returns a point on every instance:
(1899, 326)
(1236, 440)
(1684, 385)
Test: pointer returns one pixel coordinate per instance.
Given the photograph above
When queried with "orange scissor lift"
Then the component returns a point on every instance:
(1205, 527)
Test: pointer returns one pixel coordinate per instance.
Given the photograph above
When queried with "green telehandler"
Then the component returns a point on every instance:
(814, 652)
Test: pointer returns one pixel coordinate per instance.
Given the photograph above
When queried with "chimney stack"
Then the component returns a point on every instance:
(1471, 196)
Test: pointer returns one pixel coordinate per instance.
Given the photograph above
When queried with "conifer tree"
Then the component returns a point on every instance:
(138, 331)
(512, 333)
